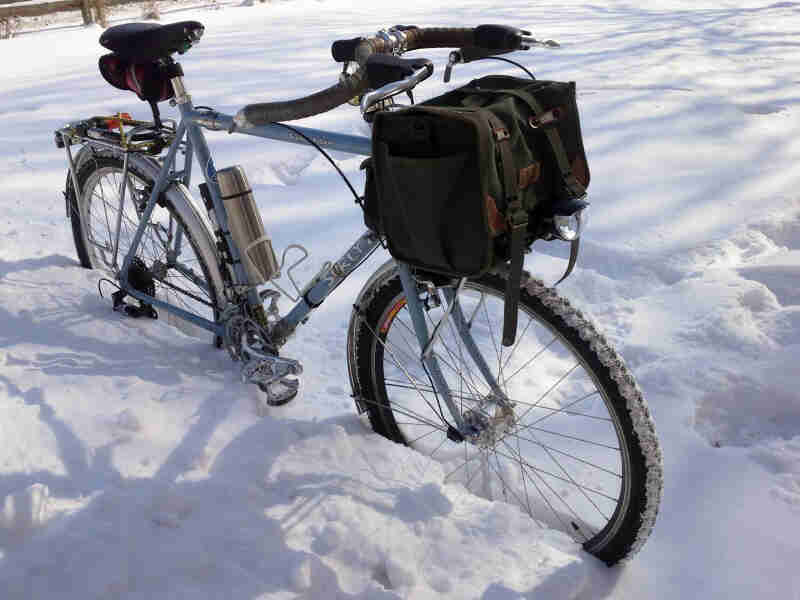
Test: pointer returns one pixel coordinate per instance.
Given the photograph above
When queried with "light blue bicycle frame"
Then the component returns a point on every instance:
(191, 128)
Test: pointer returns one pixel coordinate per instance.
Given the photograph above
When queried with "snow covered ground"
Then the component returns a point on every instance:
(134, 464)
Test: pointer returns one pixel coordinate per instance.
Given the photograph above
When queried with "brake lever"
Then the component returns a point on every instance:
(452, 60)
(529, 41)
(465, 55)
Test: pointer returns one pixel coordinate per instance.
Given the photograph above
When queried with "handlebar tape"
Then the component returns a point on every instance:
(314, 104)
(498, 37)
(345, 50)
(358, 82)
(440, 37)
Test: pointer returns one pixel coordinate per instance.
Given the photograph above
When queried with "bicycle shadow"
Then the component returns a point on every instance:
(146, 536)
(76, 337)
(234, 530)
(595, 582)
(155, 352)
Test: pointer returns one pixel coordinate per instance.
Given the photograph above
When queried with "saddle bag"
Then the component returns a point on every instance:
(149, 80)
(468, 180)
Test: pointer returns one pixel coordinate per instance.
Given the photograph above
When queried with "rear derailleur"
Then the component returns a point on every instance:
(141, 279)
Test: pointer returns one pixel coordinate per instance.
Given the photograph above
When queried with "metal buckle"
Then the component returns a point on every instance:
(501, 134)
(402, 41)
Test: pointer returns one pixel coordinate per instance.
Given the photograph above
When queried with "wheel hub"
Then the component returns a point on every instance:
(485, 430)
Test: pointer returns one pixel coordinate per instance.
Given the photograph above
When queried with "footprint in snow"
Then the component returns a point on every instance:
(291, 169)
(782, 459)
(761, 109)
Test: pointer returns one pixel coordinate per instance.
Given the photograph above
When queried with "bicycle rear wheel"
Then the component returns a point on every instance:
(174, 249)
(579, 453)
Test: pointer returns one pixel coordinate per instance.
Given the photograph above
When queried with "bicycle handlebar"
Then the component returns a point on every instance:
(398, 39)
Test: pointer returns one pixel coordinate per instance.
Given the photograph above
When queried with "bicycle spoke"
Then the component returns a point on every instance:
(428, 388)
(497, 352)
(581, 460)
(505, 486)
(533, 358)
(564, 435)
(524, 482)
(563, 470)
(563, 410)
(459, 372)
(544, 497)
(517, 343)
(415, 440)
(403, 369)
(478, 455)
(409, 413)
(543, 396)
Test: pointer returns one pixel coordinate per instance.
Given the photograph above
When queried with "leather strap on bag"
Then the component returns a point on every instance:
(517, 218)
(575, 187)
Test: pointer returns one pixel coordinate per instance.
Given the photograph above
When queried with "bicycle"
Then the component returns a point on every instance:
(555, 425)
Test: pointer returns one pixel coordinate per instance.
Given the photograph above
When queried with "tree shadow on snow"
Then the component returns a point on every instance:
(152, 537)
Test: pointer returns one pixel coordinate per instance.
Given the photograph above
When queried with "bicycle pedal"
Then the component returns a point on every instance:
(281, 392)
(266, 370)
(274, 376)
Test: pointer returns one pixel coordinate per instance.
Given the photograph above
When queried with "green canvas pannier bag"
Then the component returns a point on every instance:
(469, 179)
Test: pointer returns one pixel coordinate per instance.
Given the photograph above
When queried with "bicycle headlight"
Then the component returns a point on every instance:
(569, 218)
(569, 227)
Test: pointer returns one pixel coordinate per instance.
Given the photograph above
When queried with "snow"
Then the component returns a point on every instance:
(135, 464)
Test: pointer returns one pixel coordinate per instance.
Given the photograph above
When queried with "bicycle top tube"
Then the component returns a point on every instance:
(215, 121)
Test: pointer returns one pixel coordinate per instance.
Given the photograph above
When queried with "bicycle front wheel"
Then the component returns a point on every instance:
(174, 252)
(577, 452)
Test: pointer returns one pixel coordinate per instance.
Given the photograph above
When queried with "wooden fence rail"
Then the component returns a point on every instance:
(92, 10)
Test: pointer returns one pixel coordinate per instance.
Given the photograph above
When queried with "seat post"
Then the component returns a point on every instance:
(181, 95)
(156, 113)
(175, 73)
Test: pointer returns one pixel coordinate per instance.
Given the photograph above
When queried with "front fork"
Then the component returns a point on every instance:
(428, 357)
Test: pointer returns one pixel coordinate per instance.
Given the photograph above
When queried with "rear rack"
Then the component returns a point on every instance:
(118, 132)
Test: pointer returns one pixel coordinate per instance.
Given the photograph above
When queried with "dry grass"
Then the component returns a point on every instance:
(8, 26)
(150, 11)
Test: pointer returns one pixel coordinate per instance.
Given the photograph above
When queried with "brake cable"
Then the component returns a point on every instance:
(325, 154)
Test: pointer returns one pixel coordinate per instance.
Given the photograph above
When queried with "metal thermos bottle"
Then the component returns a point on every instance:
(245, 225)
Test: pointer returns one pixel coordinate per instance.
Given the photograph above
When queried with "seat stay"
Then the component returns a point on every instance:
(162, 182)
